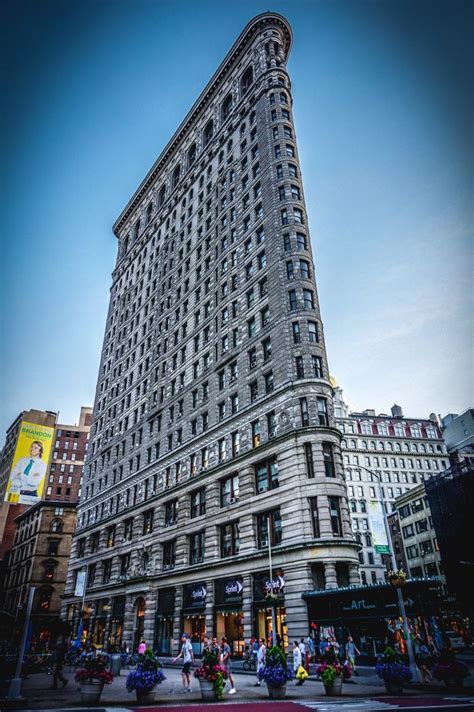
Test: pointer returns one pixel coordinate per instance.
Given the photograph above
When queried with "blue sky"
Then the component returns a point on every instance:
(381, 91)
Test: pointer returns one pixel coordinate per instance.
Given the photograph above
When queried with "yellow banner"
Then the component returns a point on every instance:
(30, 464)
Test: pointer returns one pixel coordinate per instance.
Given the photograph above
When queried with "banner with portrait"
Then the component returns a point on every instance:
(30, 464)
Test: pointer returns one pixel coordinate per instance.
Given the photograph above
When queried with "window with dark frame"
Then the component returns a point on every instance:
(313, 503)
(266, 475)
(230, 539)
(274, 517)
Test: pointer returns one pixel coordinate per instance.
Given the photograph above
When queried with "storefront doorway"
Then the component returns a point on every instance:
(228, 613)
(139, 622)
(194, 626)
(164, 621)
(263, 590)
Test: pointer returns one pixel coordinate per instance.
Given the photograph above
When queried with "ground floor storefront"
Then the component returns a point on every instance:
(237, 606)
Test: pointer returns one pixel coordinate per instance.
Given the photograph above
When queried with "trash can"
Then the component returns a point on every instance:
(115, 664)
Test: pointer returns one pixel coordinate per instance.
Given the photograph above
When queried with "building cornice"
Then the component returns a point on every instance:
(245, 38)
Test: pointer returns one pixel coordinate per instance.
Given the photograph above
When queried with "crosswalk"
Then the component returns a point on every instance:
(349, 705)
(359, 705)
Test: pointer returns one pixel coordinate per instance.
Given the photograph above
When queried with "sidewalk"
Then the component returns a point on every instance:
(39, 695)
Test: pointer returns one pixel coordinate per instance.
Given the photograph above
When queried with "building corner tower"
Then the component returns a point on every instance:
(213, 419)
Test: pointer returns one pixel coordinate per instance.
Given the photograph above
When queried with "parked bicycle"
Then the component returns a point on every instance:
(249, 661)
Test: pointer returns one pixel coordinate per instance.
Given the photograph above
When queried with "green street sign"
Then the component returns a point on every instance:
(382, 549)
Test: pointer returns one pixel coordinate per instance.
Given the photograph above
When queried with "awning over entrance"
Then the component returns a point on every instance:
(422, 597)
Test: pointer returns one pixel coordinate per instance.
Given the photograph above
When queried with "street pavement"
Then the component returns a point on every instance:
(364, 694)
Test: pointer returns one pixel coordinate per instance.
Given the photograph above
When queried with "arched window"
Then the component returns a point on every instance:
(226, 107)
(125, 244)
(368, 540)
(56, 525)
(176, 173)
(283, 98)
(192, 154)
(208, 132)
(161, 196)
(149, 212)
(137, 229)
(247, 80)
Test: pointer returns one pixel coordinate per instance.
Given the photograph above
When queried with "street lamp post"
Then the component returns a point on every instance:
(14, 693)
(272, 600)
(401, 603)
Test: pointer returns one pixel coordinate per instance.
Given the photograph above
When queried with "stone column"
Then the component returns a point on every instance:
(354, 575)
(129, 622)
(247, 607)
(297, 580)
(177, 623)
(150, 617)
(330, 574)
(210, 601)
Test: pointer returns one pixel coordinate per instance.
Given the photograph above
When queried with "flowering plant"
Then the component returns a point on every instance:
(275, 672)
(94, 669)
(211, 671)
(400, 574)
(331, 668)
(147, 673)
(391, 669)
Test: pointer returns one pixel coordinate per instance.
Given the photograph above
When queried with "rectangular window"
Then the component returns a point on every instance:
(148, 522)
(196, 547)
(230, 539)
(274, 518)
(169, 554)
(322, 411)
(269, 382)
(128, 529)
(328, 459)
(313, 503)
(299, 367)
(286, 243)
(304, 412)
(229, 490)
(290, 274)
(256, 433)
(267, 349)
(309, 459)
(171, 513)
(292, 300)
(266, 475)
(308, 299)
(335, 514)
(198, 503)
(296, 329)
(317, 365)
(106, 570)
(300, 241)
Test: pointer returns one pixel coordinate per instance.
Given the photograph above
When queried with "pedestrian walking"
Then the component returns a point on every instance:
(188, 658)
(323, 647)
(351, 652)
(302, 648)
(226, 663)
(297, 659)
(59, 654)
(261, 655)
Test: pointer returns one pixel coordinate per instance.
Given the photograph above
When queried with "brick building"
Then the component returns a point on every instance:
(67, 462)
(39, 557)
(213, 418)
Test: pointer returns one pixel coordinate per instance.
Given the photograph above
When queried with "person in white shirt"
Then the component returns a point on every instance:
(27, 475)
(261, 655)
(188, 658)
(297, 658)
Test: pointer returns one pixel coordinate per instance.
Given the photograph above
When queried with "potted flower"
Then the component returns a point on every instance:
(393, 671)
(92, 677)
(397, 579)
(146, 675)
(449, 670)
(276, 673)
(211, 676)
(333, 673)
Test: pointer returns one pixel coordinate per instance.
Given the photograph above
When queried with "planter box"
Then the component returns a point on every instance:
(276, 692)
(335, 688)
(393, 688)
(91, 691)
(146, 696)
(207, 690)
